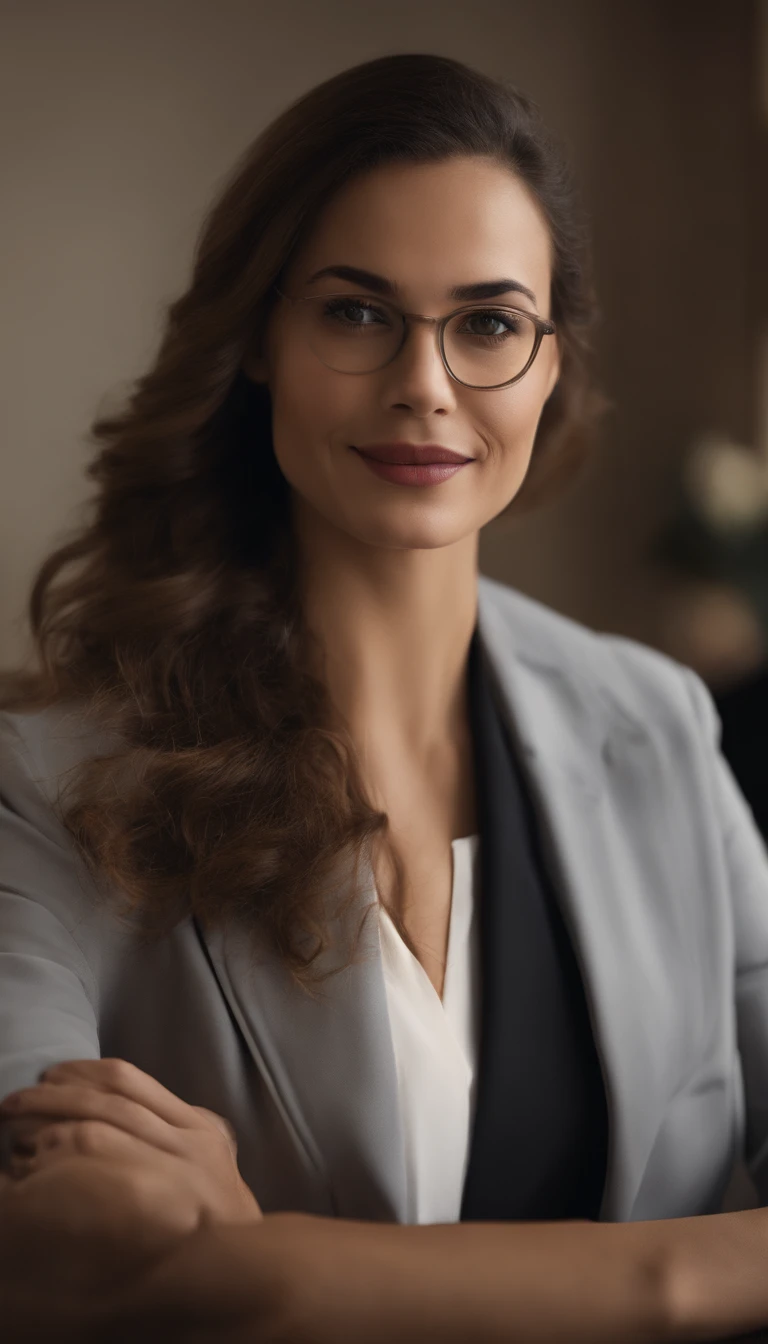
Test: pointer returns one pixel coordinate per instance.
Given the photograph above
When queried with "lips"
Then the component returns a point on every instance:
(412, 455)
(398, 473)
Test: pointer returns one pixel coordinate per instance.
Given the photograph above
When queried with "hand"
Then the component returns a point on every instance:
(182, 1158)
(123, 1172)
(82, 1263)
(71, 1237)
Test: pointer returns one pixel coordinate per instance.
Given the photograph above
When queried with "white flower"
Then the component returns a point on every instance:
(727, 484)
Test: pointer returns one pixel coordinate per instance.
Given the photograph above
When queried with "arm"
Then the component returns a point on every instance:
(48, 995)
(336, 1281)
(99, 1274)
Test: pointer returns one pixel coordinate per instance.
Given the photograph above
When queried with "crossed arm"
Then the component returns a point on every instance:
(292, 1278)
(307, 1280)
(132, 1222)
(342, 1280)
(298, 1279)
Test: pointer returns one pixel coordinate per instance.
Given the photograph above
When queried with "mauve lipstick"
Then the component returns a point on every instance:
(411, 463)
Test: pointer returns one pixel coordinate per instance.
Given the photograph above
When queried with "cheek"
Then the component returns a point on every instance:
(311, 411)
(511, 423)
(308, 396)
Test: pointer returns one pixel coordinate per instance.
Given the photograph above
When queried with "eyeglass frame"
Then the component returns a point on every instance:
(544, 327)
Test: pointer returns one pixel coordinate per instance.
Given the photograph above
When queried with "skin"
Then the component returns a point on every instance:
(389, 572)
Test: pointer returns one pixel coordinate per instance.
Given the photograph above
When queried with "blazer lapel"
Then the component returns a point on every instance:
(330, 1063)
(568, 739)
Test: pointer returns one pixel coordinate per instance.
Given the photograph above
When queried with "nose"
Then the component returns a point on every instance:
(417, 372)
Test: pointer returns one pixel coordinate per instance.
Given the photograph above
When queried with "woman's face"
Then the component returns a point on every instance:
(426, 229)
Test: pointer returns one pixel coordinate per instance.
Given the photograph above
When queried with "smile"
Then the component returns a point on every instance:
(400, 474)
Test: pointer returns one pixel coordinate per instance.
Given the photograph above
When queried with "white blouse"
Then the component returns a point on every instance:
(436, 1047)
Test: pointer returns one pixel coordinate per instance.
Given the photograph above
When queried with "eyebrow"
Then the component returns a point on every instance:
(483, 289)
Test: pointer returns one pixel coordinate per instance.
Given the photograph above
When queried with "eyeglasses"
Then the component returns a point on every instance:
(351, 333)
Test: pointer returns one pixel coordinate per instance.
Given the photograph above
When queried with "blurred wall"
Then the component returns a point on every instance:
(122, 119)
(670, 179)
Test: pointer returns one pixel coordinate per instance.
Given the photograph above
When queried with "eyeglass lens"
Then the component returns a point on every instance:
(484, 346)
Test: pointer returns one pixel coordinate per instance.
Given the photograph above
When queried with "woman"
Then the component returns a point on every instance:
(448, 905)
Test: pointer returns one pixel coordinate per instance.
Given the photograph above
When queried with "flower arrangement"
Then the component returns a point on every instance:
(720, 529)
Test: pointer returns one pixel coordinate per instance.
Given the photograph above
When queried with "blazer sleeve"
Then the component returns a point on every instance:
(48, 996)
(747, 863)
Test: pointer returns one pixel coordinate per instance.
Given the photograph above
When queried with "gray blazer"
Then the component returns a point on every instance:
(664, 882)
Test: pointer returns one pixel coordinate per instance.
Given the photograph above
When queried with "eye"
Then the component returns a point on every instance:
(512, 324)
(338, 310)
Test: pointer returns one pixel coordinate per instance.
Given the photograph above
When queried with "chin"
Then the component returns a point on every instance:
(413, 537)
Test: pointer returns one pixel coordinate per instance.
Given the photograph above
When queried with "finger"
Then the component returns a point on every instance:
(124, 1078)
(88, 1138)
(98, 1072)
(48, 1102)
(164, 1185)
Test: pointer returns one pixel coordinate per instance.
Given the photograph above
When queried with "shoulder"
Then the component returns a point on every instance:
(39, 748)
(633, 679)
(52, 914)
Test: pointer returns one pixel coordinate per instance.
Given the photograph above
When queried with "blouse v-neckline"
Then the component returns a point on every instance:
(401, 964)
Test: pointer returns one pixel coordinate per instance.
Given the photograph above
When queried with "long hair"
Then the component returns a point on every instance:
(235, 790)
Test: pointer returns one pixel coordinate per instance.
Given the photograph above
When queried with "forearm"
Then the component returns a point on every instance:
(489, 1283)
(299, 1279)
(336, 1280)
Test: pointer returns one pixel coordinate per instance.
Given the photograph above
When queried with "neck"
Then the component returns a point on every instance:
(395, 627)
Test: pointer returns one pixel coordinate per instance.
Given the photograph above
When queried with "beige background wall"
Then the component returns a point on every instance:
(119, 121)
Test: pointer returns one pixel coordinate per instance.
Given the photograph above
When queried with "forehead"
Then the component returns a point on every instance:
(433, 225)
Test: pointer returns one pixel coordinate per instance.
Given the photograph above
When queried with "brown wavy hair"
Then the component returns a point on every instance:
(235, 790)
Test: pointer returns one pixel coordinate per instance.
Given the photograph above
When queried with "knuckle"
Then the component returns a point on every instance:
(229, 1131)
(225, 1134)
(118, 1072)
(220, 1123)
(218, 1145)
